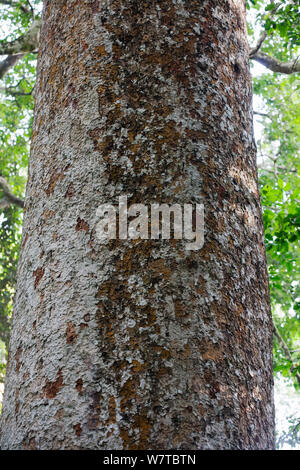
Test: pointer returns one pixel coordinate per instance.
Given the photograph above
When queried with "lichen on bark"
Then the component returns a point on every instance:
(141, 344)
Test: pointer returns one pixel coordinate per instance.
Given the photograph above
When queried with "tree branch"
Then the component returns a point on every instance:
(257, 113)
(12, 4)
(9, 63)
(28, 42)
(31, 8)
(264, 34)
(16, 93)
(285, 349)
(276, 65)
(8, 197)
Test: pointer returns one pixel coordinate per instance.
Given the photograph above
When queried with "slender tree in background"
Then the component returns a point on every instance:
(141, 344)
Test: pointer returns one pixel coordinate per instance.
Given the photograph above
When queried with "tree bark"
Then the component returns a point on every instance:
(141, 344)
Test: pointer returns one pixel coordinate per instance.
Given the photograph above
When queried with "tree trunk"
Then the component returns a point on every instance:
(141, 344)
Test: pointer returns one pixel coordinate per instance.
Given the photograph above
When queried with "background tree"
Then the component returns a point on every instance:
(277, 49)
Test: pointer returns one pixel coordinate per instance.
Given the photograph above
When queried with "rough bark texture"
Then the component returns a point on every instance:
(141, 344)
